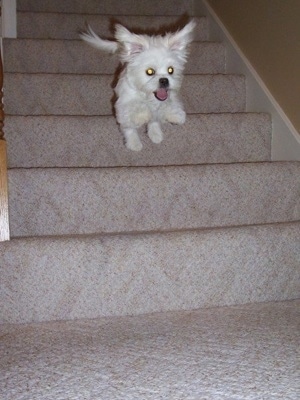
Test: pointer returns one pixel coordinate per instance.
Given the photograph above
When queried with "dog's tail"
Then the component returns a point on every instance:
(94, 40)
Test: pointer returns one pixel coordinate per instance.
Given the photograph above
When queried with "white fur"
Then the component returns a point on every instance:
(137, 93)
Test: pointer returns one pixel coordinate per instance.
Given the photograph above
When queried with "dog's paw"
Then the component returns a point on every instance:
(132, 140)
(134, 145)
(176, 117)
(155, 133)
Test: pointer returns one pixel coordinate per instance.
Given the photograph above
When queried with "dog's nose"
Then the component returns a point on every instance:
(163, 82)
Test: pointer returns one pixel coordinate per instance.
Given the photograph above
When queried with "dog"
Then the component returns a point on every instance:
(148, 86)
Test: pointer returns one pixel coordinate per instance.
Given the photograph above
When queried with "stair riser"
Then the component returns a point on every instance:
(110, 7)
(42, 94)
(97, 142)
(74, 201)
(67, 57)
(67, 26)
(65, 279)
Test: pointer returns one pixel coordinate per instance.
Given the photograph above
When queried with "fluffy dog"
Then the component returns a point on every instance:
(147, 90)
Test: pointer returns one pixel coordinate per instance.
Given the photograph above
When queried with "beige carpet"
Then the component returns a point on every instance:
(242, 352)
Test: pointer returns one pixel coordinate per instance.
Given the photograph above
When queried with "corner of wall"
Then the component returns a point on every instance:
(285, 138)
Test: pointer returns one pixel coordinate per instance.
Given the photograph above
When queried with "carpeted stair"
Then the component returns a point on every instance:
(204, 219)
(233, 353)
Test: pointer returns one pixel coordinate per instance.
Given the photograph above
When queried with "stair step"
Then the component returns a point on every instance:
(57, 94)
(52, 141)
(109, 7)
(74, 56)
(66, 26)
(89, 277)
(96, 200)
(246, 352)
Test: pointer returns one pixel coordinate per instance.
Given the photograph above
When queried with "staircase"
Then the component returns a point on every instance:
(204, 219)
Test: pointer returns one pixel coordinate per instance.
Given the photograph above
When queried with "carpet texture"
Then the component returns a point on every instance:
(241, 352)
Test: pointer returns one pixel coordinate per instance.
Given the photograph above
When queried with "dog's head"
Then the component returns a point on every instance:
(154, 64)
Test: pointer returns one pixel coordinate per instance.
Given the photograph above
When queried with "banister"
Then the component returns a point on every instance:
(1, 99)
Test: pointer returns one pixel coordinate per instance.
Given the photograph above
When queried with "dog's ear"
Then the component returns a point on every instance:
(181, 39)
(132, 44)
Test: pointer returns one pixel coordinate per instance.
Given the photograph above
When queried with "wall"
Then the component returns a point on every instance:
(268, 32)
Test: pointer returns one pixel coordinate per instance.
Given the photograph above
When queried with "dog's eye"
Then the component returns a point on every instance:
(150, 71)
(170, 70)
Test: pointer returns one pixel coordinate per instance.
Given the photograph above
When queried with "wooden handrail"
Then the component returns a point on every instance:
(1, 99)
(4, 222)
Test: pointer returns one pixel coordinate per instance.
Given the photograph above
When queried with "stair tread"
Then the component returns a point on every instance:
(182, 341)
(61, 141)
(183, 270)
(109, 7)
(192, 342)
(88, 200)
(69, 94)
(67, 26)
(74, 56)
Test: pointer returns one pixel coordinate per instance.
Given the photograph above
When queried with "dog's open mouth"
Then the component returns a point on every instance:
(161, 94)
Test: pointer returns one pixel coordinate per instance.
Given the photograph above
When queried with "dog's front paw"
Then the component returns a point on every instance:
(176, 116)
(132, 140)
(155, 132)
(134, 143)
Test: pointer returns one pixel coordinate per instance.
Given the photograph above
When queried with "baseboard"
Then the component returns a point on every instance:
(285, 138)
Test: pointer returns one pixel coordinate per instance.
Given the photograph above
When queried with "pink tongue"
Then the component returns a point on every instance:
(161, 94)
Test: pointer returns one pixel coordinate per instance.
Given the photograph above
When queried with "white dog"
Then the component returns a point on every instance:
(147, 90)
